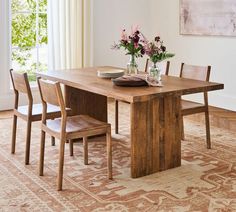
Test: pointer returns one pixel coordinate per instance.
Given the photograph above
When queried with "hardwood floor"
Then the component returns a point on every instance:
(221, 118)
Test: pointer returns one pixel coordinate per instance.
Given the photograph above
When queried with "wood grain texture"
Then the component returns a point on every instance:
(155, 135)
(221, 118)
(68, 128)
(86, 79)
(29, 113)
(188, 107)
(148, 63)
(84, 102)
(155, 113)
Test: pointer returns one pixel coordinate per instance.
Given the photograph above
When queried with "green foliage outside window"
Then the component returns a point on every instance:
(28, 38)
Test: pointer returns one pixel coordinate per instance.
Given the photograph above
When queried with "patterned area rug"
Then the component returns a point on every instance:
(206, 181)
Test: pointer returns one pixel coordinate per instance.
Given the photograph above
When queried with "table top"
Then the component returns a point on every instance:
(87, 79)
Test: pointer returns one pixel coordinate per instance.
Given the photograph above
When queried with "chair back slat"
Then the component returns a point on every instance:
(195, 72)
(20, 82)
(48, 92)
(51, 93)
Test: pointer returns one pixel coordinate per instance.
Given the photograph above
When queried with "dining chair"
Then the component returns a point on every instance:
(30, 113)
(167, 67)
(68, 128)
(190, 107)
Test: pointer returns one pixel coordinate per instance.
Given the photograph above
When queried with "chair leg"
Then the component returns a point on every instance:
(13, 142)
(85, 144)
(52, 141)
(28, 136)
(208, 138)
(61, 164)
(42, 150)
(116, 117)
(71, 147)
(109, 153)
(182, 128)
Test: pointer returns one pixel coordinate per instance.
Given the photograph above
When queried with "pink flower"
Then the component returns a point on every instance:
(124, 36)
(134, 29)
(156, 50)
(144, 40)
(131, 43)
(136, 45)
(158, 44)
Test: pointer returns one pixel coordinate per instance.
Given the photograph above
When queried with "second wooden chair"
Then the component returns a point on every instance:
(189, 107)
(68, 128)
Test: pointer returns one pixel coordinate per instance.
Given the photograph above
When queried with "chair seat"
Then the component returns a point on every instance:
(52, 111)
(77, 124)
(69, 128)
(189, 107)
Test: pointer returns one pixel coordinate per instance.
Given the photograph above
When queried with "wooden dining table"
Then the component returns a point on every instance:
(155, 112)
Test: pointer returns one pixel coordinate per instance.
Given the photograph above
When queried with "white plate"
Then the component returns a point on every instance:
(110, 73)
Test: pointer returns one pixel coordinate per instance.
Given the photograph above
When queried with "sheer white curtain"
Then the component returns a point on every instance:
(68, 34)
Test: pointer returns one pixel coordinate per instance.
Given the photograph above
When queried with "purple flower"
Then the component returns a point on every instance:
(134, 29)
(156, 50)
(142, 51)
(132, 43)
(163, 48)
(136, 39)
(157, 38)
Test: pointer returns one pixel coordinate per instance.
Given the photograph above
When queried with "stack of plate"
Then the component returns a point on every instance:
(110, 73)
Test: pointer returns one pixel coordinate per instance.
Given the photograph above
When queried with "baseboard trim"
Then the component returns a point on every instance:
(216, 100)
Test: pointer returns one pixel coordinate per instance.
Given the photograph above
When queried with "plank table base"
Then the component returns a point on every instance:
(155, 135)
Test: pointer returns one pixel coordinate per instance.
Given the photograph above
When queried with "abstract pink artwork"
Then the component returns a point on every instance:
(208, 17)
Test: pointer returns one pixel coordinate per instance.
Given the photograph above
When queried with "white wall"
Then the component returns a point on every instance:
(5, 95)
(162, 17)
(109, 18)
(219, 52)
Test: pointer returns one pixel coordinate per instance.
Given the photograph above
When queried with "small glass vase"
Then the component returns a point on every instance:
(132, 66)
(155, 72)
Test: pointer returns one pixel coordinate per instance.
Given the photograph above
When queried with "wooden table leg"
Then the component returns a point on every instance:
(84, 102)
(155, 135)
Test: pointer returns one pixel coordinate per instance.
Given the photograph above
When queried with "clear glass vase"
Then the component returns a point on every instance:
(155, 72)
(132, 66)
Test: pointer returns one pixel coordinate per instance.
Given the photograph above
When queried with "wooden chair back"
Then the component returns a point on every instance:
(20, 81)
(21, 84)
(188, 107)
(165, 65)
(51, 93)
(195, 72)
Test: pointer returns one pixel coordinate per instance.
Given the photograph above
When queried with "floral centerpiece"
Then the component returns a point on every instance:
(157, 53)
(133, 44)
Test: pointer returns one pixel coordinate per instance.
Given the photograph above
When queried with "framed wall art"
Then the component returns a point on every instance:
(208, 17)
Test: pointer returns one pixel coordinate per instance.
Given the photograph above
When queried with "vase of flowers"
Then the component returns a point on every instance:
(155, 72)
(132, 66)
(157, 53)
(133, 45)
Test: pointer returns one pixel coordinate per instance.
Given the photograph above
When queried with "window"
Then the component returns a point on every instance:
(29, 36)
